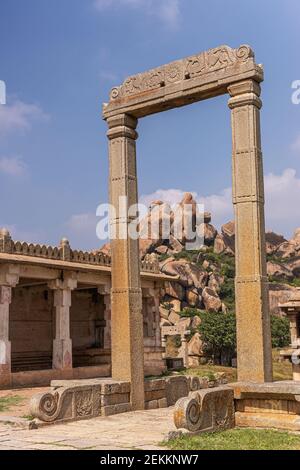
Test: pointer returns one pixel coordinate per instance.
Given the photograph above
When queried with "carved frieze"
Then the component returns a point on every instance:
(185, 69)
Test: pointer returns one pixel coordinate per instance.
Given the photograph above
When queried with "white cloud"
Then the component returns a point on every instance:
(282, 202)
(296, 145)
(13, 166)
(18, 116)
(168, 11)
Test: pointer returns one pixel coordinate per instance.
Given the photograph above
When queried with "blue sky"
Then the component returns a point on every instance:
(60, 58)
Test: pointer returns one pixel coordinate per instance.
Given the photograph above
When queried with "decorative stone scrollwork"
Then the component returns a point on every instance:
(205, 410)
(48, 403)
(244, 52)
(46, 406)
(67, 403)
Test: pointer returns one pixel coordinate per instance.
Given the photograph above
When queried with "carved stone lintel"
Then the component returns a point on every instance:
(206, 410)
(192, 67)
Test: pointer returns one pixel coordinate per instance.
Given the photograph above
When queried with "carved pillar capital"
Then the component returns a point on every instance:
(9, 275)
(69, 282)
(122, 125)
(244, 93)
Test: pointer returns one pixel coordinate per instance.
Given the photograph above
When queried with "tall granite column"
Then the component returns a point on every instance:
(62, 344)
(126, 316)
(8, 279)
(252, 303)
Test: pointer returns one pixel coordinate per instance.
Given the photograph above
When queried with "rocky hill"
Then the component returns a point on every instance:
(205, 277)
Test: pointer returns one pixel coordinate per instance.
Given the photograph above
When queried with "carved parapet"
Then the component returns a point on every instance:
(206, 410)
(64, 252)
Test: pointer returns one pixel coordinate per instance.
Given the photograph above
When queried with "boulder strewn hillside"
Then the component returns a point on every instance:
(205, 277)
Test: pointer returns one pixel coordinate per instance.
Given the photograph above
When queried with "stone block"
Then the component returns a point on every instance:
(116, 409)
(154, 395)
(115, 399)
(158, 384)
(267, 405)
(151, 405)
(206, 411)
(162, 403)
(176, 387)
(110, 387)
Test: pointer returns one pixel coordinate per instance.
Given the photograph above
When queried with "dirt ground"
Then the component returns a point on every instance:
(15, 402)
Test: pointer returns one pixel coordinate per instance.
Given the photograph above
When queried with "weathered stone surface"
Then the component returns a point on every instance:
(184, 324)
(273, 241)
(173, 317)
(189, 275)
(268, 405)
(215, 282)
(162, 403)
(176, 387)
(177, 83)
(193, 297)
(156, 384)
(211, 300)
(209, 232)
(195, 345)
(196, 322)
(225, 242)
(279, 271)
(116, 409)
(174, 289)
(151, 405)
(164, 312)
(206, 410)
(279, 294)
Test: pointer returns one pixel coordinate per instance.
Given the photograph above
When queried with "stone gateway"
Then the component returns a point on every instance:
(196, 78)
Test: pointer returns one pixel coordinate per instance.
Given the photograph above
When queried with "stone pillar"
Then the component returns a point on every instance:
(8, 279)
(62, 344)
(156, 301)
(252, 304)
(126, 316)
(105, 291)
(293, 329)
(183, 350)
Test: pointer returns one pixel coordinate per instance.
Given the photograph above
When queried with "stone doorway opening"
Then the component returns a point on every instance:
(31, 327)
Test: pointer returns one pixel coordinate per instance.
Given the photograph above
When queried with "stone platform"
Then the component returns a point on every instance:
(267, 405)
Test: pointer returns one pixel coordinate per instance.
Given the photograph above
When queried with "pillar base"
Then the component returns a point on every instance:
(270, 405)
(296, 373)
(5, 376)
(62, 354)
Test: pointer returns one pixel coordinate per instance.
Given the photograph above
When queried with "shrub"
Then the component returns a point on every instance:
(190, 312)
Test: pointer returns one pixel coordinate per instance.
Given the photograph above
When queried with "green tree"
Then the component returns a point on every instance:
(218, 333)
(280, 328)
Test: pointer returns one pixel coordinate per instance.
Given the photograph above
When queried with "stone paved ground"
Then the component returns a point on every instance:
(135, 430)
